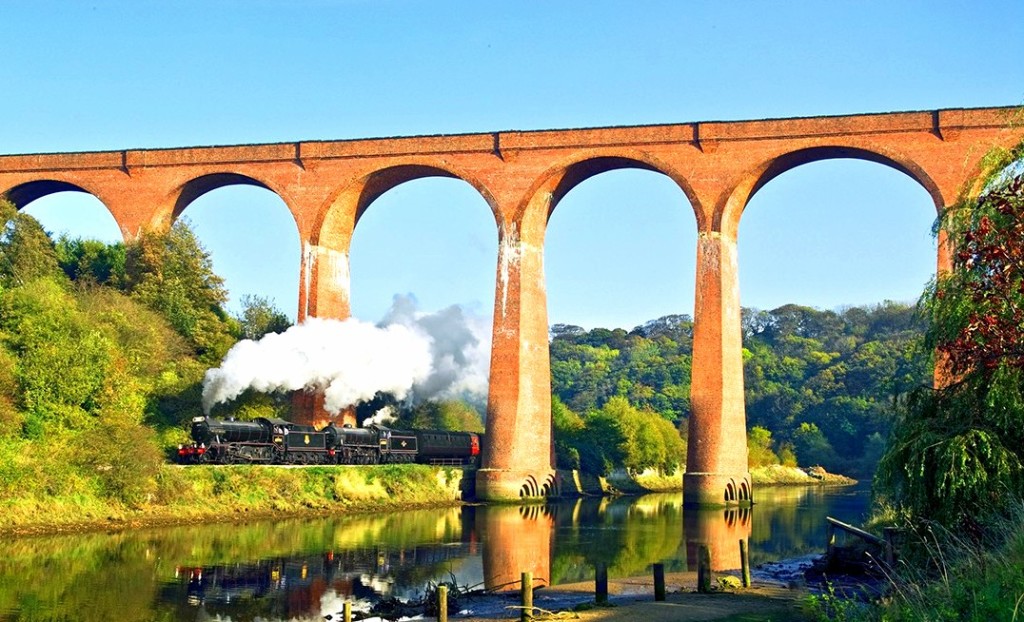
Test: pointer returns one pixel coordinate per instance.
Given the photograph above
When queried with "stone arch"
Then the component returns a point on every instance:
(549, 488)
(198, 186)
(744, 491)
(552, 185)
(650, 207)
(25, 193)
(529, 489)
(730, 491)
(728, 212)
(348, 203)
(264, 207)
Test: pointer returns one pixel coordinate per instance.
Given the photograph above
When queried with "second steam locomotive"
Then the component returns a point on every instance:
(276, 441)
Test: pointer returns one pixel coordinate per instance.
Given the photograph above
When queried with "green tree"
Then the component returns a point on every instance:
(26, 252)
(759, 445)
(567, 428)
(170, 272)
(811, 446)
(440, 415)
(61, 358)
(91, 261)
(622, 435)
(957, 453)
(260, 316)
(11, 417)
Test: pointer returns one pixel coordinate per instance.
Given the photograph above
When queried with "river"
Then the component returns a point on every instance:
(304, 569)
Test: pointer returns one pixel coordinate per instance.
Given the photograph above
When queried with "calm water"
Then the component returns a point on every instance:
(303, 569)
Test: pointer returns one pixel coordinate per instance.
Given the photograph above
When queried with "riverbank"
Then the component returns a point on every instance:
(185, 495)
(652, 480)
(197, 494)
(778, 475)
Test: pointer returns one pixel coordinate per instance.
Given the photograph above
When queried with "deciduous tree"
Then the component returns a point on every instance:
(171, 272)
(260, 316)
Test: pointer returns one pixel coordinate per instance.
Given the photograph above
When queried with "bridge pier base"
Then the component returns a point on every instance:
(717, 489)
(515, 484)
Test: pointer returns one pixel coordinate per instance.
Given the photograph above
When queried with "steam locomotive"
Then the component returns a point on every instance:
(276, 441)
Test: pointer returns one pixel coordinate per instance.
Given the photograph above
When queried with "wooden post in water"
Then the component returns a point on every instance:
(442, 603)
(704, 569)
(346, 611)
(659, 581)
(601, 583)
(830, 541)
(745, 562)
(526, 591)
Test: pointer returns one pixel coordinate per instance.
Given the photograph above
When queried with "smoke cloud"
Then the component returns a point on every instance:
(459, 348)
(411, 354)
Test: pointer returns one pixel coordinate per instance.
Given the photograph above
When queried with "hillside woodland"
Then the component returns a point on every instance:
(822, 387)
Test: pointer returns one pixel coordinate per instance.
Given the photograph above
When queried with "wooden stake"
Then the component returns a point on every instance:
(442, 603)
(704, 569)
(659, 581)
(527, 597)
(601, 584)
(745, 563)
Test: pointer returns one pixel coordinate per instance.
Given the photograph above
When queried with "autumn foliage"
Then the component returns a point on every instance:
(987, 318)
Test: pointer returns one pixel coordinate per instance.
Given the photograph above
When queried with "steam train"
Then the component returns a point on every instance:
(276, 441)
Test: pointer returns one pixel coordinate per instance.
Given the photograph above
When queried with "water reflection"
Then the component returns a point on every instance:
(517, 540)
(304, 569)
(720, 531)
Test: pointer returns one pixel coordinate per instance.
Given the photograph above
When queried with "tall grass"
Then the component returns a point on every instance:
(948, 575)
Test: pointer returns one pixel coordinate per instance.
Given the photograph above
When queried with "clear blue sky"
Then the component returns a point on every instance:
(620, 250)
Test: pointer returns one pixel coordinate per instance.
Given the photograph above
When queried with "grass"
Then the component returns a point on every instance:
(947, 576)
(211, 493)
(779, 475)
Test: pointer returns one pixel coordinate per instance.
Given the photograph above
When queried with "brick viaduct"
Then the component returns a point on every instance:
(522, 175)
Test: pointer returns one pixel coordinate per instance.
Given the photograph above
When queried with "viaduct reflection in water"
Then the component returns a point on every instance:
(304, 569)
(516, 540)
(719, 530)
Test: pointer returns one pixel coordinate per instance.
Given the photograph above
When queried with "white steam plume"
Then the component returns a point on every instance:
(349, 361)
(459, 348)
(411, 354)
(383, 416)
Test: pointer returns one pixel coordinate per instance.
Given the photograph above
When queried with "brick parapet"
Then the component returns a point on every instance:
(933, 121)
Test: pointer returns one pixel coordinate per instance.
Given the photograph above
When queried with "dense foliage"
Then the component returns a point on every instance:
(616, 435)
(957, 454)
(822, 387)
(102, 352)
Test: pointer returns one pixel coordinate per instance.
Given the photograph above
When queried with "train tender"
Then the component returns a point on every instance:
(276, 441)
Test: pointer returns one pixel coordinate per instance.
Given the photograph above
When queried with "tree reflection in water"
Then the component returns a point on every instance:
(304, 569)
